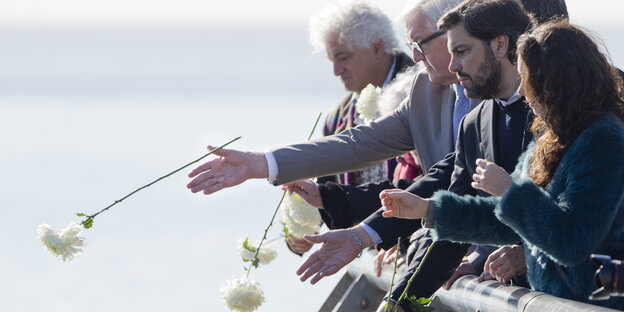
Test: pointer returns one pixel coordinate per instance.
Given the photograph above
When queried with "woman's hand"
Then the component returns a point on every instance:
(491, 178)
(401, 204)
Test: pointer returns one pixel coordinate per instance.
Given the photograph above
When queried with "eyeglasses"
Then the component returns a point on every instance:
(418, 45)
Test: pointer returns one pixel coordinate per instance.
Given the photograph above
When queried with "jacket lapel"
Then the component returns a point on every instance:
(487, 131)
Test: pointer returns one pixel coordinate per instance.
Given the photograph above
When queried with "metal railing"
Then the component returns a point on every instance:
(361, 290)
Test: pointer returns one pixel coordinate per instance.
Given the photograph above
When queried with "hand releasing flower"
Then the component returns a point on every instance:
(299, 217)
(242, 294)
(366, 104)
(62, 245)
(248, 250)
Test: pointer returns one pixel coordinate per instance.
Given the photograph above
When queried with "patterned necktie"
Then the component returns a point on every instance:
(462, 106)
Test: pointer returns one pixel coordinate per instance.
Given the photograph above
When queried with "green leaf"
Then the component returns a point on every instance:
(246, 245)
(255, 263)
(419, 304)
(285, 230)
(87, 224)
(80, 214)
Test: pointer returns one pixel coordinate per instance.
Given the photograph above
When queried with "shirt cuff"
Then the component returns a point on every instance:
(272, 167)
(372, 233)
(429, 221)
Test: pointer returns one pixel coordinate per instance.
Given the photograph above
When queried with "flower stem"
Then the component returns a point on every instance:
(87, 223)
(409, 282)
(396, 256)
(277, 209)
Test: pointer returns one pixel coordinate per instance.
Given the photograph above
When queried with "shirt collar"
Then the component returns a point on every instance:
(390, 74)
(511, 100)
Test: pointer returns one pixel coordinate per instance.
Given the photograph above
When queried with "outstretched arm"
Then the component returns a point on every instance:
(231, 168)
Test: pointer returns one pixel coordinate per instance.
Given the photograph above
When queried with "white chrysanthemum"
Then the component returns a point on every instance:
(300, 217)
(366, 104)
(298, 230)
(242, 294)
(300, 211)
(62, 245)
(265, 256)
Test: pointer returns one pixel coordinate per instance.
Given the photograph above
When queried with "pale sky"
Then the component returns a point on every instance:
(222, 12)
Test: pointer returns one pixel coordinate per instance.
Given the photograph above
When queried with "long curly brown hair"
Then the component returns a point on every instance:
(574, 83)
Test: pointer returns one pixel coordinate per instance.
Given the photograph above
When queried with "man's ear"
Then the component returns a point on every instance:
(379, 48)
(500, 46)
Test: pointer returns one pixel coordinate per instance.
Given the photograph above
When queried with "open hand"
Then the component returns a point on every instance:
(401, 204)
(339, 249)
(490, 178)
(231, 168)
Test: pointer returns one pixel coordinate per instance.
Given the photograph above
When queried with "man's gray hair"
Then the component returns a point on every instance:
(432, 9)
(356, 24)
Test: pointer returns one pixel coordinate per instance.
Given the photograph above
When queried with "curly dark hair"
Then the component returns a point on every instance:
(573, 81)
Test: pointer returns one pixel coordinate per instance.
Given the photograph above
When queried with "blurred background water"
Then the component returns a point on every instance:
(92, 109)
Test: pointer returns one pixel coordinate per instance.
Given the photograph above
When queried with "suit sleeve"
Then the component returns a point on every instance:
(346, 205)
(353, 149)
(389, 229)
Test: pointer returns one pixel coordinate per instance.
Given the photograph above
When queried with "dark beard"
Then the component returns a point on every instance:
(488, 79)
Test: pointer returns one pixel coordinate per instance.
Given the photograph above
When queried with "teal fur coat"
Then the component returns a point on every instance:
(578, 214)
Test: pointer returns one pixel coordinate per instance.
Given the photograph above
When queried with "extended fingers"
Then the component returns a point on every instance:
(206, 182)
(207, 166)
(326, 270)
(313, 269)
(307, 264)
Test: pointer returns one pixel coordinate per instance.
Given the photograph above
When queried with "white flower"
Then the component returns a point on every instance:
(248, 251)
(242, 294)
(62, 245)
(300, 217)
(366, 104)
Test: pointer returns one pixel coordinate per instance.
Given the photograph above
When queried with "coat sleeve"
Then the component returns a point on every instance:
(346, 205)
(571, 226)
(350, 150)
(470, 219)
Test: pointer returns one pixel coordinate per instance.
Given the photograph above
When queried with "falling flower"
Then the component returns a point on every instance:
(62, 245)
(248, 251)
(299, 217)
(366, 104)
(242, 294)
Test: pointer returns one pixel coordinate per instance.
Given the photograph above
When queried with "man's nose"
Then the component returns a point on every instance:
(338, 69)
(417, 56)
(454, 65)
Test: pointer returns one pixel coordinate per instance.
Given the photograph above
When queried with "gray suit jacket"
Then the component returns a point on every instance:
(423, 122)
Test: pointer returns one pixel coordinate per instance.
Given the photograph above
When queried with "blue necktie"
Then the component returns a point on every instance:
(462, 106)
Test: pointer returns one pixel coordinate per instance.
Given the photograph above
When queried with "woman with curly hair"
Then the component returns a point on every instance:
(564, 200)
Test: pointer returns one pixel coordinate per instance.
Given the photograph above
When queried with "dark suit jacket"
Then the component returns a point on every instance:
(475, 140)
